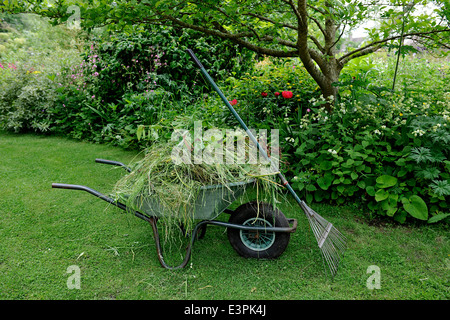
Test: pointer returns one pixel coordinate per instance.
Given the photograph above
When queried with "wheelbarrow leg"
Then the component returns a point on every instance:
(153, 221)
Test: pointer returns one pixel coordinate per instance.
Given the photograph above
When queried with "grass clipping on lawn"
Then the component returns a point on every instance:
(176, 184)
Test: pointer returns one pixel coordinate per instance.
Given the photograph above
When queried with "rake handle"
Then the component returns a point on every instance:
(241, 122)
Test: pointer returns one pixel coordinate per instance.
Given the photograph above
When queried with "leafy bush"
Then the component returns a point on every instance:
(379, 154)
(31, 73)
(25, 100)
(386, 151)
(138, 79)
(273, 95)
(29, 92)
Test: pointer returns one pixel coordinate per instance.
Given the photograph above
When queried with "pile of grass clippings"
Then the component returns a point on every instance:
(176, 184)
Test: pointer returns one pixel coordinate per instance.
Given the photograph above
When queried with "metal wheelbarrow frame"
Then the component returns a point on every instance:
(245, 229)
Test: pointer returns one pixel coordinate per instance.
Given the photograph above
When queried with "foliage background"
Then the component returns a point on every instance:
(386, 151)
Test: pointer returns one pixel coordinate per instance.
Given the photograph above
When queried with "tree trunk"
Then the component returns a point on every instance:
(331, 75)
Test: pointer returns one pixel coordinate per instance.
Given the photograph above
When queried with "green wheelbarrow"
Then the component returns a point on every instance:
(254, 229)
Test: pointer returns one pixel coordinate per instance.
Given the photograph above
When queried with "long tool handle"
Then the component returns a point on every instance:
(243, 125)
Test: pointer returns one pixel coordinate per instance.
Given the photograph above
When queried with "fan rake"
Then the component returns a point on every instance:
(330, 241)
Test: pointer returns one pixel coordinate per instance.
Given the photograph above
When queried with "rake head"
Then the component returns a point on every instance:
(331, 242)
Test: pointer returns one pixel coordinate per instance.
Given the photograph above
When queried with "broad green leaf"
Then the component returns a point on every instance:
(325, 181)
(325, 165)
(370, 190)
(438, 217)
(386, 181)
(381, 195)
(340, 188)
(361, 184)
(416, 207)
(140, 131)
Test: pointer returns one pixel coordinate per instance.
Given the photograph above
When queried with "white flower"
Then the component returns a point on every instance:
(288, 139)
(418, 132)
(377, 131)
(332, 151)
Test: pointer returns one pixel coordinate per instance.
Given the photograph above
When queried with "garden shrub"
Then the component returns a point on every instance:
(32, 73)
(25, 99)
(29, 92)
(272, 95)
(391, 155)
(387, 151)
(139, 78)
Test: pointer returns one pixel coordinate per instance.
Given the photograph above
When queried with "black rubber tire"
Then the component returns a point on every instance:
(248, 214)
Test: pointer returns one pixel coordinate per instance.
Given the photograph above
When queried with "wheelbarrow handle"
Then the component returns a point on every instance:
(103, 197)
(114, 163)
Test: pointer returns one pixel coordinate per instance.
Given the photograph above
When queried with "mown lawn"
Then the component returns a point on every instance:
(43, 231)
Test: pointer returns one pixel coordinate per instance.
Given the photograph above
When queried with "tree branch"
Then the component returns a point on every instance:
(318, 45)
(378, 44)
(239, 38)
(318, 24)
(295, 10)
(286, 25)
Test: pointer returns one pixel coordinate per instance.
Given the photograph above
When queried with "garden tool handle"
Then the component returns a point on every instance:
(194, 57)
(243, 125)
(114, 163)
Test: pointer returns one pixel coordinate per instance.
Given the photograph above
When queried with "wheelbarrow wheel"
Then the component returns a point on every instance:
(258, 244)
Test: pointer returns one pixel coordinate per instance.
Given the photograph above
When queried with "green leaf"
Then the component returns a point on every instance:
(386, 181)
(400, 162)
(325, 165)
(381, 195)
(400, 216)
(370, 190)
(140, 132)
(325, 181)
(416, 207)
(438, 217)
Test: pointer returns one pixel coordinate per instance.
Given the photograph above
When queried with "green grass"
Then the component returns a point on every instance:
(43, 231)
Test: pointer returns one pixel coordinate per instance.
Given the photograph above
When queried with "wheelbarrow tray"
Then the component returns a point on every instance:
(210, 202)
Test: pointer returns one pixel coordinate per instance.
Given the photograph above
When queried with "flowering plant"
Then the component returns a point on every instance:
(394, 159)
(287, 94)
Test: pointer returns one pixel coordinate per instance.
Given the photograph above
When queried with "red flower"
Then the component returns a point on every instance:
(233, 102)
(264, 94)
(287, 94)
(277, 94)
